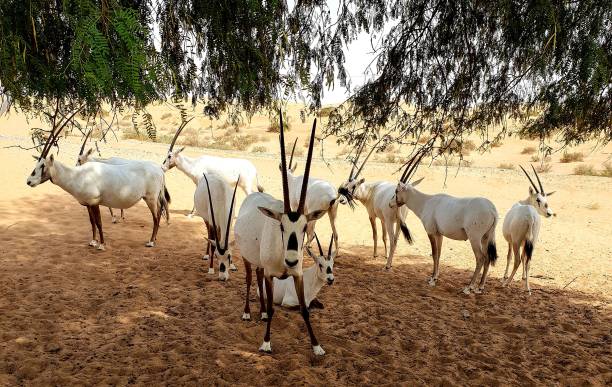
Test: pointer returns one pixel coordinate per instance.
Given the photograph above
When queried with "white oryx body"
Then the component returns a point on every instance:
(270, 235)
(442, 215)
(521, 229)
(100, 184)
(222, 199)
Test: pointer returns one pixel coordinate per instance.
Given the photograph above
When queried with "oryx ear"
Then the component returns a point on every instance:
(531, 191)
(51, 159)
(315, 215)
(212, 242)
(89, 152)
(361, 181)
(550, 193)
(179, 151)
(35, 157)
(270, 214)
(294, 166)
(415, 183)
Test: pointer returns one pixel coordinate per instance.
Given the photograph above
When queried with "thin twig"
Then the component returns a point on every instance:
(569, 283)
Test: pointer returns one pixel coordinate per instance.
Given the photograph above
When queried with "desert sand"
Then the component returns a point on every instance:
(73, 315)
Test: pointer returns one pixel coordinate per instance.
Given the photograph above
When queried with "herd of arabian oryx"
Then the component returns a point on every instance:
(270, 232)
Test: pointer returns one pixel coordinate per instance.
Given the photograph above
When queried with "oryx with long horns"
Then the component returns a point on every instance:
(99, 184)
(270, 236)
(214, 202)
(375, 198)
(321, 196)
(442, 215)
(522, 227)
(229, 169)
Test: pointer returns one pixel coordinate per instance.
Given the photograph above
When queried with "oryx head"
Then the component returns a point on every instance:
(170, 160)
(293, 223)
(405, 189)
(325, 263)
(44, 162)
(221, 249)
(537, 197)
(84, 157)
(346, 191)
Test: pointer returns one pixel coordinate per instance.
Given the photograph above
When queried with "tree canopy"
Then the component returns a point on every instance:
(443, 68)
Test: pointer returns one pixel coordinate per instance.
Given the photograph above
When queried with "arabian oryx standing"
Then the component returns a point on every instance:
(98, 184)
(522, 227)
(442, 215)
(229, 169)
(375, 198)
(321, 196)
(270, 236)
(214, 202)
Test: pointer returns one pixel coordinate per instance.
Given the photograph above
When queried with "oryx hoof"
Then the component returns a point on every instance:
(318, 350)
(504, 283)
(114, 220)
(233, 267)
(190, 216)
(388, 268)
(479, 290)
(529, 291)
(266, 347)
(467, 290)
(432, 281)
(246, 316)
(93, 243)
(264, 316)
(101, 247)
(206, 257)
(150, 244)
(211, 270)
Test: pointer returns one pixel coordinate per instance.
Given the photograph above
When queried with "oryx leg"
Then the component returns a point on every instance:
(526, 263)
(113, 218)
(190, 215)
(98, 219)
(507, 262)
(394, 236)
(94, 241)
(207, 251)
(435, 240)
(299, 289)
(266, 346)
(260, 286)
(384, 236)
(523, 260)
(485, 269)
(211, 249)
(480, 259)
(122, 217)
(517, 261)
(246, 315)
(310, 234)
(374, 234)
(156, 214)
(332, 213)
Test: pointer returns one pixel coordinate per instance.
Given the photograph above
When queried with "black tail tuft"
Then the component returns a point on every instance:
(260, 188)
(163, 205)
(492, 252)
(528, 249)
(167, 195)
(406, 232)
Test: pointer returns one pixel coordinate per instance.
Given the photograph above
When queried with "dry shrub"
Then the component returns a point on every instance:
(585, 170)
(529, 150)
(165, 116)
(275, 126)
(390, 158)
(607, 171)
(259, 149)
(460, 147)
(572, 157)
(452, 162)
(544, 168)
(496, 143)
(131, 134)
(505, 166)
(231, 141)
(593, 206)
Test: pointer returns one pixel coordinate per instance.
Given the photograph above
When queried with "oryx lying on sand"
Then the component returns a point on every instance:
(522, 227)
(375, 198)
(99, 184)
(214, 202)
(270, 236)
(321, 196)
(442, 215)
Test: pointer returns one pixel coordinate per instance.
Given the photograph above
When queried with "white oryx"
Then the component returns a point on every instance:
(214, 202)
(315, 277)
(99, 184)
(442, 215)
(321, 196)
(522, 227)
(230, 169)
(375, 198)
(270, 236)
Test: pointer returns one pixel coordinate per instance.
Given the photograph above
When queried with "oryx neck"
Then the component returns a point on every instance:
(312, 283)
(64, 176)
(417, 201)
(185, 164)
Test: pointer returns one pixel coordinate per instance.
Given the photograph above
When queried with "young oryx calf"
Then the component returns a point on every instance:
(270, 236)
(99, 184)
(216, 209)
(375, 197)
(321, 196)
(315, 277)
(522, 227)
(455, 218)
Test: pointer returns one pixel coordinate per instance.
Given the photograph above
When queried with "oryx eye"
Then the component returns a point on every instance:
(546, 205)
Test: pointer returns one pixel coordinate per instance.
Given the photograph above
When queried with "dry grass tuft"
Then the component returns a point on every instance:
(544, 168)
(593, 206)
(572, 157)
(607, 171)
(259, 149)
(166, 116)
(529, 150)
(506, 166)
(496, 143)
(275, 126)
(585, 170)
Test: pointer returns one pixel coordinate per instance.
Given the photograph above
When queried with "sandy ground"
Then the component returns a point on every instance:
(72, 315)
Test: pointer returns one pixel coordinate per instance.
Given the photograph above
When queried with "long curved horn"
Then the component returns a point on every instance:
(412, 166)
(300, 209)
(55, 135)
(212, 211)
(229, 218)
(318, 244)
(85, 142)
(529, 177)
(357, 157)
(331, 242)
(286, 201)
(292, 152)
(538, 177)
(364, 162)
(178, 131)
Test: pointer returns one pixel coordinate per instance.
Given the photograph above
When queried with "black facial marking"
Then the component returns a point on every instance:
(293, 216)
(292, 244)
(329, 271)
(222, 267)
